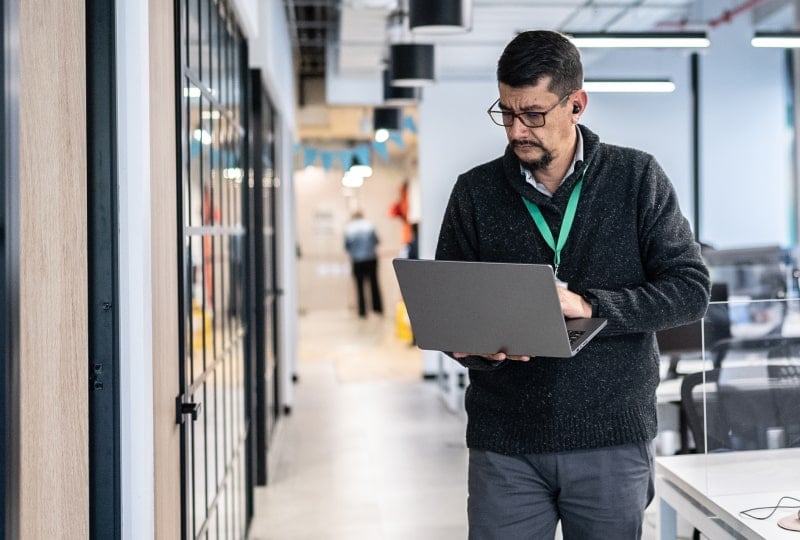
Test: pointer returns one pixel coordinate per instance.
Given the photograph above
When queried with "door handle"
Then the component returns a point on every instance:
(189, 408)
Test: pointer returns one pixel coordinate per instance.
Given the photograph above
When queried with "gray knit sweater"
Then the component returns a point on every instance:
(630, 252)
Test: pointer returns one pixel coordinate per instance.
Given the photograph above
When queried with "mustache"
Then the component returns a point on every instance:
(525, 142)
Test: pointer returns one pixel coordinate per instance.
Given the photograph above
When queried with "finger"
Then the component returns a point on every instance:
(520, 358)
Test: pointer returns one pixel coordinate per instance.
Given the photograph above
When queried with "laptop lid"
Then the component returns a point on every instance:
(485, 307)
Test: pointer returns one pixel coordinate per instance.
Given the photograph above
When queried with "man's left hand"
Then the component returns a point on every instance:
(573, 305)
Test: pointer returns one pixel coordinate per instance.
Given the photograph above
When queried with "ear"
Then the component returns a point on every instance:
(579, 101)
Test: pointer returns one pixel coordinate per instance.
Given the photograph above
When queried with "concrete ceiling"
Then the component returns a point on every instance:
(363, 39)
(348, 40)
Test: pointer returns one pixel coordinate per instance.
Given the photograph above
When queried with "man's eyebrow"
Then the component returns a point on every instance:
(529, 108)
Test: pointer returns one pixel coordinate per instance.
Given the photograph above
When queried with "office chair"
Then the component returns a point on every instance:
(747, 407)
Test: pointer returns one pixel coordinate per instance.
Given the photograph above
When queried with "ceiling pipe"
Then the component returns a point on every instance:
(723, 18)
(728, 15)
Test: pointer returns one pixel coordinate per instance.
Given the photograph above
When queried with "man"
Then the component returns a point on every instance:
(569, 439)
(360, 242)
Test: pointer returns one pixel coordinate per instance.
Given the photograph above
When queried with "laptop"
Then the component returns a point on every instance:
(485, 307)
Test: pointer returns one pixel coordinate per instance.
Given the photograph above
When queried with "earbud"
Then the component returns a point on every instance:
(576, 109)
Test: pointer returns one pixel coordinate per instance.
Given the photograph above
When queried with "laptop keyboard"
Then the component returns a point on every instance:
(573, 335)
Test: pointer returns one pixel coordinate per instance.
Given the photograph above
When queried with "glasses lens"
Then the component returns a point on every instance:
(499, 118)
(532, 119)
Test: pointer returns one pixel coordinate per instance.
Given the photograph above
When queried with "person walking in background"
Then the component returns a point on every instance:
(360, 241)
(569, 440)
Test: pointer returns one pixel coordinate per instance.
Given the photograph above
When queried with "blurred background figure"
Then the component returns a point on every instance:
(360, 242)
(413, 244)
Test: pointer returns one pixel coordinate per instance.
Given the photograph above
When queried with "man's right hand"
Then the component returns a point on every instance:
(494, 357)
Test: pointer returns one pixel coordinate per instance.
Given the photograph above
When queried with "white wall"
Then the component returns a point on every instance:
(745, 142)
(247, 15)
(287, 273)
(656, 123)
(135, 290)
(271, 51)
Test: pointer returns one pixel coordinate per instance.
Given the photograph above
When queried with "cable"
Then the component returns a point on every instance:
(772, 508)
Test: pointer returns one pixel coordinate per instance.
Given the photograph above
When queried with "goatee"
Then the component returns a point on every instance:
(536, 164)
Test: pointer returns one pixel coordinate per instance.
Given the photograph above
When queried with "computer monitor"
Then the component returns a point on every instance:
(753, 272)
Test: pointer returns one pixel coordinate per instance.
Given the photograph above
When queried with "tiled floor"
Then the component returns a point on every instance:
(369, 451)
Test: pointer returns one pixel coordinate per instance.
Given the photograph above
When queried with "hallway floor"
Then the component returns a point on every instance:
(369, 451)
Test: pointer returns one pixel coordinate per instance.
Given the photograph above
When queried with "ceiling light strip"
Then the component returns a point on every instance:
(781, 40)
(685, 40)
(628, 85)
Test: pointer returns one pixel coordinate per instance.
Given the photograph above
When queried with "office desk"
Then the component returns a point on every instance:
(709, 491)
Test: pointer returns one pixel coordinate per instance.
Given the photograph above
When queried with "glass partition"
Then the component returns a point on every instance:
(742, 407)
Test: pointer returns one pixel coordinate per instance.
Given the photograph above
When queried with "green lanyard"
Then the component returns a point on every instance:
(566, 224)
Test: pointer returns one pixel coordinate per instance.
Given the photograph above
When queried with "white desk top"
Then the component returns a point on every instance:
(669, 391)
(727, 483)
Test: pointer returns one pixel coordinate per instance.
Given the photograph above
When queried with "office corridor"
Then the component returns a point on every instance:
(369, 451)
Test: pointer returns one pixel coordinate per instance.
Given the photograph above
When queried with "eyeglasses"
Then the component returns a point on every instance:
(528, 118)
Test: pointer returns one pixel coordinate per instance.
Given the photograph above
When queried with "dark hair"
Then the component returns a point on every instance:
(535, 54)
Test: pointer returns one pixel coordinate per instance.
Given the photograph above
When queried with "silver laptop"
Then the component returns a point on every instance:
(483, 307)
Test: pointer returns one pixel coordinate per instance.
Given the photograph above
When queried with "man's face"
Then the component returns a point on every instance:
(537, 147)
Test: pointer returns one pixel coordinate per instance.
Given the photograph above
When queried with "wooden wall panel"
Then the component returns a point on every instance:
(54, 472)
(165, 270)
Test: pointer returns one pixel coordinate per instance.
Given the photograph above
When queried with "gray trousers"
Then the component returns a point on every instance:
(596, 494)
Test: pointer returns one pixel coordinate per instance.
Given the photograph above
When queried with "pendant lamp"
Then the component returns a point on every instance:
(399, 95)
(412, 64)
(440, 16)
(386, 118)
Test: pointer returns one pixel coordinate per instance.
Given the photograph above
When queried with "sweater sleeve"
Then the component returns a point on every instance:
(458, 242)
(676, 287)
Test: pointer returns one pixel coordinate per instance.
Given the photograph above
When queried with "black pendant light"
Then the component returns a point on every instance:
(386, 118)
(440, 16)
(412, 64)
(399, 95)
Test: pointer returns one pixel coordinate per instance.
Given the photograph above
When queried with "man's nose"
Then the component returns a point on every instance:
(517, 127)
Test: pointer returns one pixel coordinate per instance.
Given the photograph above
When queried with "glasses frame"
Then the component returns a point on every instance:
(521, 115)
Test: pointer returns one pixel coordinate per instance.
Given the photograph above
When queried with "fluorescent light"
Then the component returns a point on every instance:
(233, 173)
(622, 85)
(191, 92)
(782, 40)
(360, 170)
(210, 115)
(381, 135)
(352, 180)
(687, 40)
(202, 135)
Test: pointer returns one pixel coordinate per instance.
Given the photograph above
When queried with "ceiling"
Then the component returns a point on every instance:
(358, 35)
(348, 40)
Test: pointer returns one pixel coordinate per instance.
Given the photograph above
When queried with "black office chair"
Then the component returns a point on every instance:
(745, 406)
